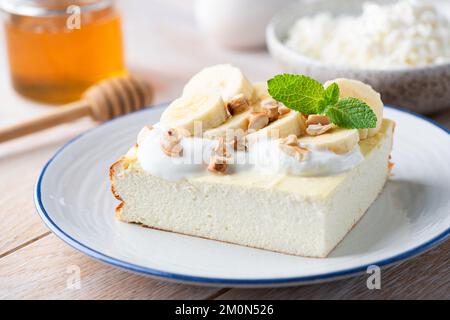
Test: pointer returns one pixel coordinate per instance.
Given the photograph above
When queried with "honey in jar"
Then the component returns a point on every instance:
(58, 48)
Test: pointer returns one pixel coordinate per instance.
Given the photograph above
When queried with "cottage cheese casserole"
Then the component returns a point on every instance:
(246, 163)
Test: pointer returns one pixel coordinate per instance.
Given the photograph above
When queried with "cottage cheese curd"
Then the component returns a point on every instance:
(404, 34)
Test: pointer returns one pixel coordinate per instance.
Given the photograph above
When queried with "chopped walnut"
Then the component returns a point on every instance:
(238, 104)
(317, 119)
(257, 120)
(318, 129)
(170, 142)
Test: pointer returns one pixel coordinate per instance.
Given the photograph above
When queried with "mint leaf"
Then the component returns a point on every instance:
(297, 92)
(308, 96)
(351, 113)
(331, 97)
(332, 93)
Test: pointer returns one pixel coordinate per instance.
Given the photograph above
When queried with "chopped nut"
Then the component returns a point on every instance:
(218, 164)
(318, 129)
(296, 151)
(317, 119)
(270, 108)
(220, 157)
(282, 110)
(221, 148)
(272, 113)
(269, 102)
(291, 140)
(172, 134)
(238, 104)
(170, 143)
(237, 143)
(289, 145)
(304, 117)
(174, 151)
(257, 120)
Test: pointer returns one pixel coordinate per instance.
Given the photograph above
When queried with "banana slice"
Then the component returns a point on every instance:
(290, 123)
(337, 140)
(260, 92)
(363, 134)
(225, 78)
(239, 121)
(184, 112)
(360, 90)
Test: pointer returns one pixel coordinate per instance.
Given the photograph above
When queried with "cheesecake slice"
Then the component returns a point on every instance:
(306, 216)
(301, 194)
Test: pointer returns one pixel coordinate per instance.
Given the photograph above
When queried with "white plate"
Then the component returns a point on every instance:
(411, 215)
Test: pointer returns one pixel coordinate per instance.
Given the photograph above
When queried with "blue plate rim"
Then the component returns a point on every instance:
(179, 277)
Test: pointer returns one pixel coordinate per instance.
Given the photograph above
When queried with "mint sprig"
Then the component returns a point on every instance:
(351, 113)
(297, 92)
(331, 94)
(308, 96)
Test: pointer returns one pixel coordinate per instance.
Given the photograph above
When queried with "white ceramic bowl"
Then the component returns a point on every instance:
(237, 24)
(422, 89)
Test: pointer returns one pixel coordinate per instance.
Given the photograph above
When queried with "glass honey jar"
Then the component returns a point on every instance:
(58, 48)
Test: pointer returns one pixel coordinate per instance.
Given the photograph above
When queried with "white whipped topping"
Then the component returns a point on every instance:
(193, 161)
(268, 158)
(263, 156)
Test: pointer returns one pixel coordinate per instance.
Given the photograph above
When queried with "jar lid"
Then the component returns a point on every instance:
(41, 8)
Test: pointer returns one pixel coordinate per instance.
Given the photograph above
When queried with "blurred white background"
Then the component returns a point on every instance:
(163, 42)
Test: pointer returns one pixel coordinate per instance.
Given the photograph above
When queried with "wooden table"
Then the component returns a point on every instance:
(162, 42)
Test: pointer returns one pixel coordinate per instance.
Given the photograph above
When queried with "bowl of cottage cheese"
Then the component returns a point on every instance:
(401, 47)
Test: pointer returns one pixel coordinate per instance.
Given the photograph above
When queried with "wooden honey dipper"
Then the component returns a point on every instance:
(108, 99)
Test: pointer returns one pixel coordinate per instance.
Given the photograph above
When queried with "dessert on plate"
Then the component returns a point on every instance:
(288, 165)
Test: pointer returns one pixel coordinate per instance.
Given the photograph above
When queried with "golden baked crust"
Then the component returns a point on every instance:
(112, 173)
(115, 169)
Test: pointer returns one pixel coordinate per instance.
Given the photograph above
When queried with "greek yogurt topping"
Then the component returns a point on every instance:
(263, 156)
(267, 158)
